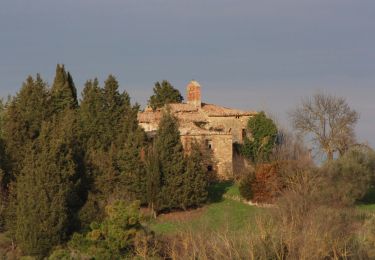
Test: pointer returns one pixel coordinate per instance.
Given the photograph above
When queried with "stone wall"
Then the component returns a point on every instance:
(234, 125)
(219, 149)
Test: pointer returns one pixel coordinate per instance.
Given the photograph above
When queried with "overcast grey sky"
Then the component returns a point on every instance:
(250, 54)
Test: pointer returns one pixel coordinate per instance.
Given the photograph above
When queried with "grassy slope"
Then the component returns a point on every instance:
(222, 211)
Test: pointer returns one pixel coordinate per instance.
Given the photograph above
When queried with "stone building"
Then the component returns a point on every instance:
(217, 127)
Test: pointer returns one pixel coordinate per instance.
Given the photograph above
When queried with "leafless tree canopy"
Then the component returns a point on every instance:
(329, 119)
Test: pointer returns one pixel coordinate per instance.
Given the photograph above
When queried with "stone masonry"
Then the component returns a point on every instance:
(217, 127)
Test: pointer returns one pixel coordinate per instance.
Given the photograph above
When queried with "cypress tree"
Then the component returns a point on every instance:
(195, 180)
(116, 104)
(63, 91)
(92, 116)
(23, 118)
(46, 189)
(169, 149)
(4, 173)
(153, 181)
(131, 142)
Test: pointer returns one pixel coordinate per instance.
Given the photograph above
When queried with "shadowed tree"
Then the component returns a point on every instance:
(195, 180)
(153, 181)
(170, 153)
(23, 118)
(92, 115)
(164, 93)
(115, 105)
(131, 142)
(114, 142)
(329, 120)
(4, 171)
(48, 188)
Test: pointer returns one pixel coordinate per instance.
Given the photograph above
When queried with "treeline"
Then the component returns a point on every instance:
(64, 161)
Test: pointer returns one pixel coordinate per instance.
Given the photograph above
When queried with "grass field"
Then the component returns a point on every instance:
(224, 210)
(368, 202)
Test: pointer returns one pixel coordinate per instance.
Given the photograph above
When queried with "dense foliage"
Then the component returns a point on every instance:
(263, 133)
(114, 238)
(66, 165)
(74, 175)
(164, 93)
(174, 180)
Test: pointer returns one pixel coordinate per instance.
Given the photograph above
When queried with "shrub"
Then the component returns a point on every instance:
(349, 178)
(266, 183)
(245, 186)
(264, 132)
(118, 236)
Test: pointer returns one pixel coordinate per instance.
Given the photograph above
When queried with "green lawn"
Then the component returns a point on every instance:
(367, 207)
(223, 210)
(368, 202)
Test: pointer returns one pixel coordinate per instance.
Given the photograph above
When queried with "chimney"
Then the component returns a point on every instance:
(194, 94)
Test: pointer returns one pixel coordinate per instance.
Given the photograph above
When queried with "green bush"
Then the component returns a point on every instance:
(245, 187)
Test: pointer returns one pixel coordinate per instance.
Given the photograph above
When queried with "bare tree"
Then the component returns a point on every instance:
(329, 120)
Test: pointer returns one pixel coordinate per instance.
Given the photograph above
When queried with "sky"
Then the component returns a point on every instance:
(247, 54)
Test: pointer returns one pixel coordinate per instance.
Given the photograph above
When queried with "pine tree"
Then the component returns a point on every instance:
(63, 91)
(169, 149)
(164, 93)
(195, 180)
(47, 190)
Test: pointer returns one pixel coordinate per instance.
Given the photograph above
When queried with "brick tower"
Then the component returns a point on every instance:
(194, 94)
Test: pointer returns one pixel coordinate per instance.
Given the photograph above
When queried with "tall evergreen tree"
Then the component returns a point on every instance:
(170, 151)
(47, 188)
(114, 142)
(195, 180)
(164, 93)
(63, 91)
(131, 143)
(23, 118)
(153, 181)
(4, 172)
(92, 115)
(115, 105)
(41, 206)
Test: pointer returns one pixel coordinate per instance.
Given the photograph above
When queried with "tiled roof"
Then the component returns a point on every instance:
(184, 112)
(215, 110)
(189, 113)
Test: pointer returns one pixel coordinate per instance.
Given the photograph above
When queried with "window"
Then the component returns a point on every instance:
(209, 144)
(209, 168)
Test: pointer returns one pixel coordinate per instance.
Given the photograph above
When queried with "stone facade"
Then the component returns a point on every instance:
(217, 127)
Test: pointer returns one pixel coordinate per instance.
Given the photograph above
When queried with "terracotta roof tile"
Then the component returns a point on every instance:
(215, 110)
